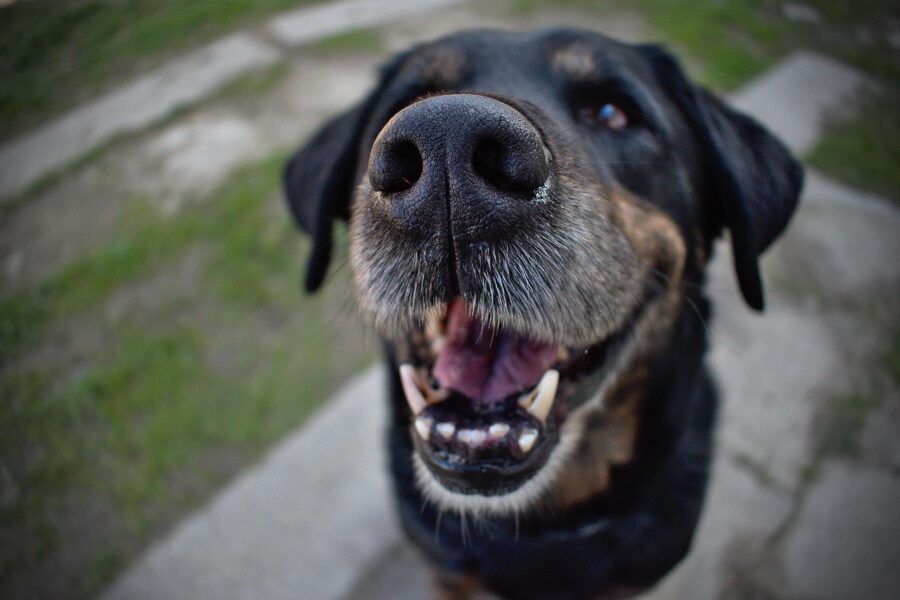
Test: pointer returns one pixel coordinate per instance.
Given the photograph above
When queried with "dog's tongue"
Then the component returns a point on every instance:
(486, 364)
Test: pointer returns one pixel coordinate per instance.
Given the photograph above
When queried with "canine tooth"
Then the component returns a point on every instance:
(471, 437)
(411, 390)
(498, 430)
(545, 395)
(525, 399)
(434, 331)
(423, 426)
(527, 439)
(446, 430)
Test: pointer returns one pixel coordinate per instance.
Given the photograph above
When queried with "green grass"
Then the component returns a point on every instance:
(146, 243)
(141, 422)
(865, 150)
(891, 356)
(255, 83)
(54, 54)
(732, 41)
(357, 40)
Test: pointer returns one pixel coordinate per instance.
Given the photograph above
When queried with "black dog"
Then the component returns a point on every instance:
(530, 219)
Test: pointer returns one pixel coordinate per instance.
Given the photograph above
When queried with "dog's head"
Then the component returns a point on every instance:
(529, 214)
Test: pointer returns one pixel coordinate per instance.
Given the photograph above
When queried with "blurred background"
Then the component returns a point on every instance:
(154, 341)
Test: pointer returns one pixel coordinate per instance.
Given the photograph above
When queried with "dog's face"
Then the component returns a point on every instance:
(529, 214)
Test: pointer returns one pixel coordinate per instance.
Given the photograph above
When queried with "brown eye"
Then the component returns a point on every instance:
(611, 116)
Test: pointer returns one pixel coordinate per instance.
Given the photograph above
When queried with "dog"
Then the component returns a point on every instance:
(530, 216)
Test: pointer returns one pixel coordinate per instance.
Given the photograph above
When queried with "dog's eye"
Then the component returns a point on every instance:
(609, 116)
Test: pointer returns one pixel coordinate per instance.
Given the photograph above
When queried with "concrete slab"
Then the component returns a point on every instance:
(772, 371)
(738, 519)
(839, 242)
(134, 106)
(808, 89)
(192, 156)
(312, 23)
(844, 543)
(288, 528)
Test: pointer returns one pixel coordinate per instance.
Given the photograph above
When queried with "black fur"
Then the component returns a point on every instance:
(710, 168)
(753, 178)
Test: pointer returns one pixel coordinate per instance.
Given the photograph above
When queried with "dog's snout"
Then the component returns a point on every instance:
(475, 147)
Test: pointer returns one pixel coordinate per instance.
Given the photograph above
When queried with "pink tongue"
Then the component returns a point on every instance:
(485, 364)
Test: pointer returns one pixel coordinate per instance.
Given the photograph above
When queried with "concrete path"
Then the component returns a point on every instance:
(313, 520)
(183, 81)
(287, 519)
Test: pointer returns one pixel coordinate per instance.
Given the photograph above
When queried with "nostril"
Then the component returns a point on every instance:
(487, 160)
(396, 167)
(514, 167)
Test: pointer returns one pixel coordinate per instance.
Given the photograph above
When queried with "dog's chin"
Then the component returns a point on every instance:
(497, 414)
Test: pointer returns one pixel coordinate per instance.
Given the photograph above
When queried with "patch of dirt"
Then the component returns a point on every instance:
(59, 225)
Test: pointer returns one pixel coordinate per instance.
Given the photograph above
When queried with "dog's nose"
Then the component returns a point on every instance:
(478, 153)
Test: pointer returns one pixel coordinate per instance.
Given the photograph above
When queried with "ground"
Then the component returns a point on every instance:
(154, 341)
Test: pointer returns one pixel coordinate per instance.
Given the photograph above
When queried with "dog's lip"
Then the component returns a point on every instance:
(481, 466)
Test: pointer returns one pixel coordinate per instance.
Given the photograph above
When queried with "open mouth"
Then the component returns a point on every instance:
(488, 403)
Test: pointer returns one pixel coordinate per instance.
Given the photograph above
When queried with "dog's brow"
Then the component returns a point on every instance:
(575, 60)
(442, 66)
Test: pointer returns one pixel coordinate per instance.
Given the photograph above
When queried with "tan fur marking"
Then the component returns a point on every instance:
(653, 234)
(441, 67)
(575, 61)
(608, 440)
(610, 432)
(453, 586)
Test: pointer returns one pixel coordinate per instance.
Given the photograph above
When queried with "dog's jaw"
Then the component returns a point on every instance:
(538, 490)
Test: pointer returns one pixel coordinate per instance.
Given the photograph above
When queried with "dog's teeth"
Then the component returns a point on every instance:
(414, 397)
(471, 437)
(434, 331)
(446, 430)
(545, 394)
(498, 430)
(525, 399)
(527, 439)
(423, 426)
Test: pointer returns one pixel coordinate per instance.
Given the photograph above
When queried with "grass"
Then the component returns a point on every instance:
(254, 83)
(356, 40)
(55, 54)
(141, 421)
(864, 151)
(733, 41)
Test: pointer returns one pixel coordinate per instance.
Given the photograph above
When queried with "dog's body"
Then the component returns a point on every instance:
(530, 217)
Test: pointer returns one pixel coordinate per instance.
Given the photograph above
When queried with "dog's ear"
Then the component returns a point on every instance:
(755, 181)
(319, 177)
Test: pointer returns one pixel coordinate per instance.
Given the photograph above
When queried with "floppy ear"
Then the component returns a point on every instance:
(755, 181)
(319, 178)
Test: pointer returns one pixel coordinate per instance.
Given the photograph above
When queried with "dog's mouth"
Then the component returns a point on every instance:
(488, 403)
